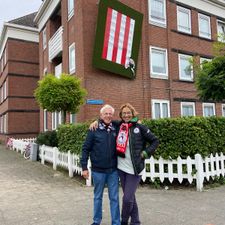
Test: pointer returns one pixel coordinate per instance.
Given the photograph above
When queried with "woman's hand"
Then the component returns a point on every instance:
(93, 126)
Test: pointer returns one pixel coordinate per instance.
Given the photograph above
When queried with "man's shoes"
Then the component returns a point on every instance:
(95, 224)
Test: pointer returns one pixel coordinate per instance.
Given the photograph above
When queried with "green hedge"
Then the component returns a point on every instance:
(71, 137)
(178, 136)
(188, 135)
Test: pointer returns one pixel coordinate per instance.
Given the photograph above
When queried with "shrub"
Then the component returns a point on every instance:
(48, 138)
(71, 137)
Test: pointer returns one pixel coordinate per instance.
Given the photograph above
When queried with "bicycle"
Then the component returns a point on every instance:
(27, 151)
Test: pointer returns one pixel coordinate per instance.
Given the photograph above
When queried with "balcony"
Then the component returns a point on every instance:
(55, 44)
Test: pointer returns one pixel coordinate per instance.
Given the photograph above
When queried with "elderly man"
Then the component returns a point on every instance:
(100, 145)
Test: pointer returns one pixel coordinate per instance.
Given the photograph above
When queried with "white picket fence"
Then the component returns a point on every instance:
(197, 169)
(19, 144)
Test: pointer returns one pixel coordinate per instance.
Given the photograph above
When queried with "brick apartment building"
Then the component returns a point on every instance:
(172, 33)
(19, 73)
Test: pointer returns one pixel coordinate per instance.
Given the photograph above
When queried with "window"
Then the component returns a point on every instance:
(160, 109)
(187, 109)
(158, 63)
(209, 109)
(157, 12)
(56, 119)
(185, 68)
(44, 39)
(72, 60)
(45, 120)
(183, 19)
(45, 72)
(72, 118)
(204, 26)
(223, 110)
(221, 31)
(58, 70)
(70, 8)
(204, 60)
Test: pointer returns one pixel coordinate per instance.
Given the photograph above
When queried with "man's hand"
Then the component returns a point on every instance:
(85, 174)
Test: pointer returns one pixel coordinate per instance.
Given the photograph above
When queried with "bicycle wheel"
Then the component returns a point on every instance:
(26, 154)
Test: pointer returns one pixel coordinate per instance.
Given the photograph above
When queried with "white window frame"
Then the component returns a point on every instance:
(45, 71)
(45, 122)
(72, 58)
(56, 120)
(202, 33)
(161, 102)
(70, 11)
(192, 104)
(71, 118)
(157, 21)
(181, 77)
(219, 38)
(223, 111)
(58, 70)
(208, 105)
(156, 74)
(179, 26)
(44, 38)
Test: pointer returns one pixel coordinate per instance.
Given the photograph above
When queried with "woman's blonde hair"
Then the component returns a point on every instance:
(132, 109)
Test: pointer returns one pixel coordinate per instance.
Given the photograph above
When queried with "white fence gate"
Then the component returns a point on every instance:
(191, 169)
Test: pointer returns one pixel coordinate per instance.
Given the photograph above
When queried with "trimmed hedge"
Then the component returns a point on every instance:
(182, 137)
(71, 137)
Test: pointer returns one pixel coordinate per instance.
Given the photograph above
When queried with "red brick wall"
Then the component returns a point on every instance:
(116, 90)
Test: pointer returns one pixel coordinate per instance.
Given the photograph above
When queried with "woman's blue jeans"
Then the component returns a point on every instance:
(112, 182)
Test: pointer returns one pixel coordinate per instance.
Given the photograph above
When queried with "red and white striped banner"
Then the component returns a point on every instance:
(118, 38)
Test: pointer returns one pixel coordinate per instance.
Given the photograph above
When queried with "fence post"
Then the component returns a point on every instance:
(42, 154)
(55, 157)
(200, 172)
(88, 181)
(70, 164)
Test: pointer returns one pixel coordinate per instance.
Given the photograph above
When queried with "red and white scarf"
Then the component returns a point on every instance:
(122, 138)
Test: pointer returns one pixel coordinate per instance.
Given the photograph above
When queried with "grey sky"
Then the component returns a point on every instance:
(11, 9)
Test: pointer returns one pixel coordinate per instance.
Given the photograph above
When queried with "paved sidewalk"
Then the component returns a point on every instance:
(32, 194)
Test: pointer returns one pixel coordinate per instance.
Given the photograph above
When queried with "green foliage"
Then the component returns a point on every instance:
(210, 79)
(71, 137)
(182, 137)
(48, 138)
(60, 94)
(188, 135)
(210, 76)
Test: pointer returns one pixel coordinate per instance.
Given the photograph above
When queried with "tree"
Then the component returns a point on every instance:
(210, 76)
(60, 94)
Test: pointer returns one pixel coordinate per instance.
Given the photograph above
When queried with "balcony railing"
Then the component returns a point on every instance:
(55, 44)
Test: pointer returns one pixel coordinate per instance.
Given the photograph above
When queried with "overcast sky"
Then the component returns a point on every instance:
(11, 9)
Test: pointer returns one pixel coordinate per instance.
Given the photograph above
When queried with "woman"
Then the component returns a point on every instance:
(132, 151)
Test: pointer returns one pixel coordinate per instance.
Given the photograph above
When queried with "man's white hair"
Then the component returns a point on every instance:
(107, 107)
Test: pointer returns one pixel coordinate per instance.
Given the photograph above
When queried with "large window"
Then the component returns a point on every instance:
(187, 109)
(160, 109)
(183, 19)
(221, 30)
(208, 109)
(204, 26)
(158, 63)
(70, 8)
(157, 12)
(185, 67)
(72, 60)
